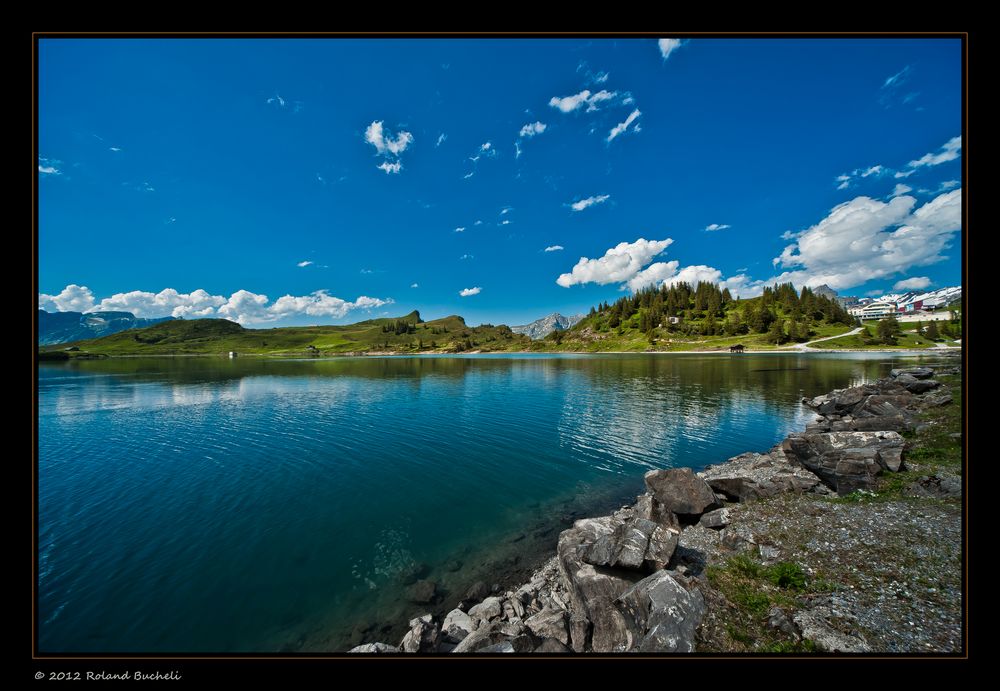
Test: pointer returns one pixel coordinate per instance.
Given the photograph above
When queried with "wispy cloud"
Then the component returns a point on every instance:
(466, 292)
(414, 285)
(900, 189)
(948, 152)
(668, 45)
(276, 100)
(116, 149)
(893, 85)
(592, 101)
(467, 256)
(49, 166)
(553, 248)
(846, 180)
(468, 175)
(717, 226)
(506, 210)
(303, 264)
(440, 140)
(623, 126)
(589, 201)
(460, 229)
(478, 223)
(390, 168)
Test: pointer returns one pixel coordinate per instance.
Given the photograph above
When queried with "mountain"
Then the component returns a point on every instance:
(540, 328)
(936, 298)
(63, 327)
(826, 291)
(406, 334)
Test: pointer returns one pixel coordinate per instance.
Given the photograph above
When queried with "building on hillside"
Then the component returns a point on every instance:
(924, 316)
(874, 310)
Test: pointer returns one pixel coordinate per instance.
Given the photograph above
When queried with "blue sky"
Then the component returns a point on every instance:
(198, 177)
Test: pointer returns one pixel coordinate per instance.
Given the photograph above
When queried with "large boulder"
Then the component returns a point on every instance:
(549, 624)
(681, 491)
(457, 626)
(915, 372)
(490, 608)
(661, 615)
(755, 476)
(422, 637)
(594, 622)
(846, 461)
(632, 543)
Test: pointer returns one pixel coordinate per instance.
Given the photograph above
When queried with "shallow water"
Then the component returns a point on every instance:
(209, 505)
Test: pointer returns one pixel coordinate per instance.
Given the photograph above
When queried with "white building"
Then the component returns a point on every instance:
(873, 310)
(919, 316)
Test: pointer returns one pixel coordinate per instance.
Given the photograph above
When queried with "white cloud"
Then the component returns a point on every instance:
(900, 189)
(903, 173)
(72, 298)
(531, 129)
(506, 210)
(618, 265)
(49, 166)
(460, 229)
(568, 104)
(467, 256)
(276, 100)
(554, 248)
(600, 77)
(874, 170)
(897, 79)
(167, 302)
(384, 143)
(114, 148)
(948, 185)
(303, 264)
(414, 285)
(865, 239)
(949, 152)
(668, 46)
(653, 274)
(478, 223)
(390, 168)
(441, 139)
(622, 126)
(466, 292)
(468, 175)
(847, 179)
(915, 283)
(505, 222)
(717, 226)
(590, 201)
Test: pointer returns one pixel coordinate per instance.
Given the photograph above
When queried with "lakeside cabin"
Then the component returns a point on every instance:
(232, 353)
(738, 348)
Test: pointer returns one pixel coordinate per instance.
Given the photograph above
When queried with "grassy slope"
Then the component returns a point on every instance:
(215, 336)
(593, 335)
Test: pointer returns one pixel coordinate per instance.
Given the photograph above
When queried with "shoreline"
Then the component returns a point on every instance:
(642, 579)
(296, 356)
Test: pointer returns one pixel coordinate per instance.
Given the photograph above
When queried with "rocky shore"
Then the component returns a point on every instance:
(799, 549)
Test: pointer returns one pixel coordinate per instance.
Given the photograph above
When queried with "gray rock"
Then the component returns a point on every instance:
(755, 476)
(551, 645)
(513, 610)
(846, 461)
(549, 624)
(922, 386)
(374, 648)
(815, 627)
(457, 626)
(679, 490)
(935, 486)
(886, 405)
(422, 592)
(769, 552)
(422, 637)
(661, 615)
(715, 519)
(777, 619)
(915, 372)
(632, 543)
(490, 608)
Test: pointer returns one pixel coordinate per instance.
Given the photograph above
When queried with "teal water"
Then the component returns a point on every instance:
(208, 505)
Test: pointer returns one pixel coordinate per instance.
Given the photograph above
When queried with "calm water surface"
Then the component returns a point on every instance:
(196, 504)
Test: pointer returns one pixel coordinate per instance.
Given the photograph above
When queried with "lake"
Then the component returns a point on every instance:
(212, 505)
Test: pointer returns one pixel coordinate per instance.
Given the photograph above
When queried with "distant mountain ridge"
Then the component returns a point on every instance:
(64, 327)
(939, 297)
(540, 328)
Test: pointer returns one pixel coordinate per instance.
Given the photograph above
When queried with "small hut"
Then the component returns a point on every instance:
(738, 348)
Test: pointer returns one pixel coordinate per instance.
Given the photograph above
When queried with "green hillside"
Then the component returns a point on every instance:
(217, 336)
(703, 317)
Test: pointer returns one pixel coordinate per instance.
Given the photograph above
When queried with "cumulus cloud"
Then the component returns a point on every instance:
(466, 292)
(242, 306)
(532, 129)
(592, 101)
(390, 168)
(388, 146)
(865, 239)
(915, 283)
(949, 152)
(900, 189)
(717, 226)
(668, 46)
(303, 264)
(589, 201)
(623, 126)
(618, 265)
(554, 248)
(72, 298)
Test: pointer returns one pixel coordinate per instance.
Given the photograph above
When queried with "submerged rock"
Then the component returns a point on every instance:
(422, 592)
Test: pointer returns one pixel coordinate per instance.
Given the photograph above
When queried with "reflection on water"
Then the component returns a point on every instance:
(196, 504)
